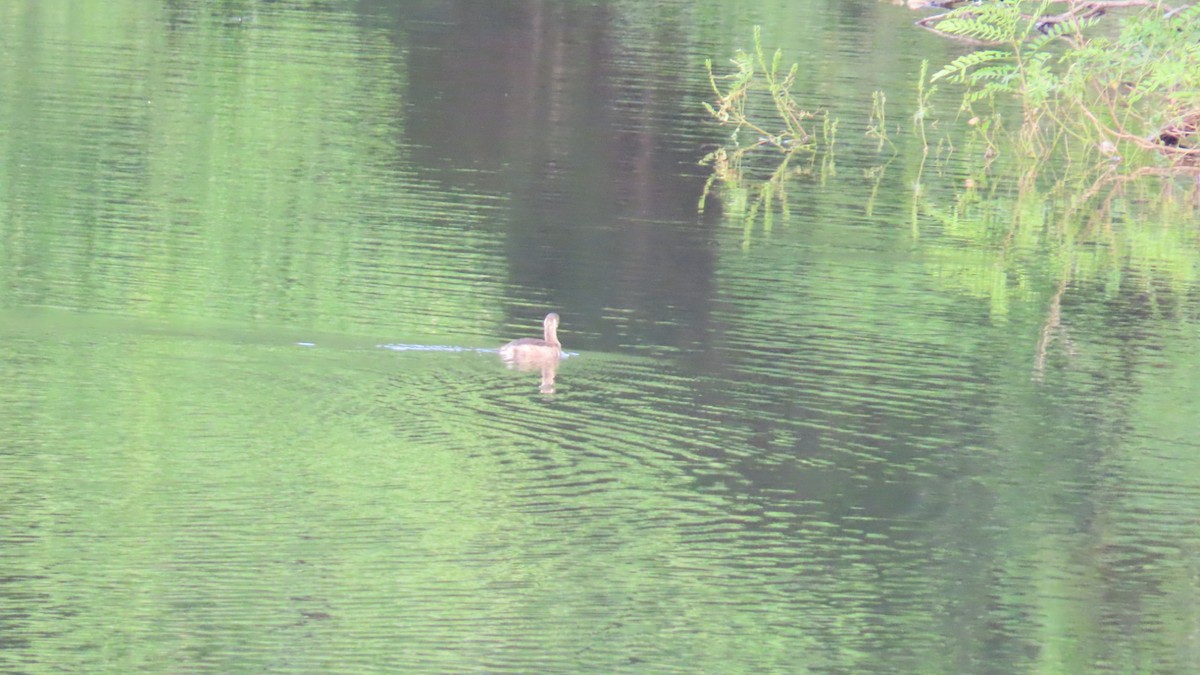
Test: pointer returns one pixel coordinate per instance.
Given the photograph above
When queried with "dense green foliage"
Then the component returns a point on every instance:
(1082, 93)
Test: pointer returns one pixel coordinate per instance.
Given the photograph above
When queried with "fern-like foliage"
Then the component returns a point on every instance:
(1139, 86)
(1054, 31)
(1188, 17)
(958, 68)
(985, 22)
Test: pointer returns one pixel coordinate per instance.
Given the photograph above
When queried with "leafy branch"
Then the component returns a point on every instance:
(1137, 93)
(757, 98)
(736, 101)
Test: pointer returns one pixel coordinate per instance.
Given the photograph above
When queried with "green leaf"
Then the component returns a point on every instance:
(967, 61)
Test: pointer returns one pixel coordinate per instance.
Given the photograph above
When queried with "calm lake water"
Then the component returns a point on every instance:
(256, 257)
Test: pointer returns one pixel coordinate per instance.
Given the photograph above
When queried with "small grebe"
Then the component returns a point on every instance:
(533, 349)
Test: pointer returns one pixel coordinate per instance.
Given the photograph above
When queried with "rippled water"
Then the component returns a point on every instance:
(255, 263)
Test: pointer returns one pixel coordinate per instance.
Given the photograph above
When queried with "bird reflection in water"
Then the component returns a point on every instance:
(532, 354)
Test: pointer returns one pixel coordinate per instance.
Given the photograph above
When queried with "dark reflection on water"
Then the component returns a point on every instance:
(255, 263)
(547, 103)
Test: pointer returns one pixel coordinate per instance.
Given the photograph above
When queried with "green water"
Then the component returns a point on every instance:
(255, 259)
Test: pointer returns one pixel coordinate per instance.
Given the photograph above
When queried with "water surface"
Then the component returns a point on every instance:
(254, 260)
